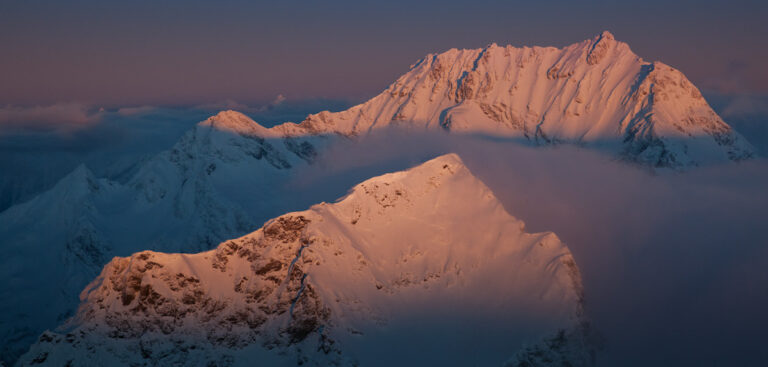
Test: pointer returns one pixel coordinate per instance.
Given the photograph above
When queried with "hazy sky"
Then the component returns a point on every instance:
(187, 52)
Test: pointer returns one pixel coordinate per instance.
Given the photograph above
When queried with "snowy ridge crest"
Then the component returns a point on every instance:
(237, 122)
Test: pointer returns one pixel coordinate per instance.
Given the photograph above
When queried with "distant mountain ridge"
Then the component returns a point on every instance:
(596, 93)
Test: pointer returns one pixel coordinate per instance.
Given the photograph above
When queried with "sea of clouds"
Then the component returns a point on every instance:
(675, 264)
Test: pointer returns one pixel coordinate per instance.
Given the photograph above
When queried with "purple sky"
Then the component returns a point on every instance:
(190, 52)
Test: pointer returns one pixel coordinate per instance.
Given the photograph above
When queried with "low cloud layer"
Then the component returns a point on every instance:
(60, 118)
(674, 264)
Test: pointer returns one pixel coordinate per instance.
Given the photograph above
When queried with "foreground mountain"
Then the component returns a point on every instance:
(402, 258)
(216, 183)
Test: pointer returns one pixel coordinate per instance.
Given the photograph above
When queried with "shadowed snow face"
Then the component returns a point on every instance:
(671, 262)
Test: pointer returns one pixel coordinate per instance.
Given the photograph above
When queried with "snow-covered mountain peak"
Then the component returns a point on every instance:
(606, 35)
(600, 47)
(422, 174)
(236, 122)
(57, 235)
(396, 189)
(595, 93)
(73, 193)
(592, 93)
(315, 287)
(81, 180)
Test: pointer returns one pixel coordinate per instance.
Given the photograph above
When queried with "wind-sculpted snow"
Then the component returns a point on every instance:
(315, 287)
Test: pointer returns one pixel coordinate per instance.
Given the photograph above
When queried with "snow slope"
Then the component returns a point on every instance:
(216, 183)
(413, 261)
(595, 93)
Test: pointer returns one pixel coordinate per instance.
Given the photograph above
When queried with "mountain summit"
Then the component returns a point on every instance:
(596, 93)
